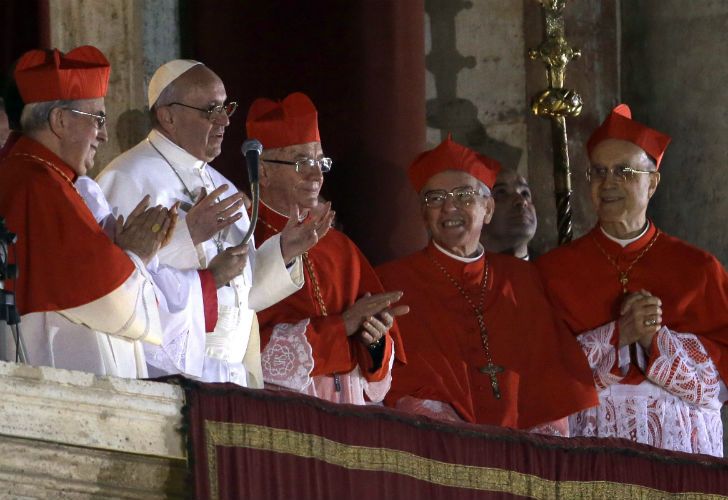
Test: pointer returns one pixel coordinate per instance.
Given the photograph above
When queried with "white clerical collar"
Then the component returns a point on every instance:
(622, 242)
(178, 157)
(467, 260)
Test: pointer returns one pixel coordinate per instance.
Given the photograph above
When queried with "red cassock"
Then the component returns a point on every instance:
(585, 290)
(343, 275)
(64, 258)
(545, 375)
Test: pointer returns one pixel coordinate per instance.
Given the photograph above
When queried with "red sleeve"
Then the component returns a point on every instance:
(209, 298)
(64, 258)
(332, 348)
(366, 361)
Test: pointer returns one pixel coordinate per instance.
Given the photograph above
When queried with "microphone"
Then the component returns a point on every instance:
(252, 149)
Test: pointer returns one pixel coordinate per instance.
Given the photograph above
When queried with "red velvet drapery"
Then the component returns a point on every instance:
(262, 444)
(363, 64)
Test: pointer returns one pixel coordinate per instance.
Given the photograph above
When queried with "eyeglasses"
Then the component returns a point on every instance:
(620, 173)
(100, 119)
(306, 164)
(213, 111)
(461, 197)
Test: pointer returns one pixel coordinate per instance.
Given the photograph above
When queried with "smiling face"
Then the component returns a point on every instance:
(621, 204)
(456, 228)
(281, 186)
(80, 135)
(192, 129)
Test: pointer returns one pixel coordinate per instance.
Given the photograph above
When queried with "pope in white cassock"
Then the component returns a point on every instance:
(213, 335)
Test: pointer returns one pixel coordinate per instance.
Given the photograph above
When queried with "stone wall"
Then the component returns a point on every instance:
(67, 434)
(137, 37)
(480, 83)
(674, 69)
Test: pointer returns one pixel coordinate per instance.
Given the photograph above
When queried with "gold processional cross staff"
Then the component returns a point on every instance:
(556, 103)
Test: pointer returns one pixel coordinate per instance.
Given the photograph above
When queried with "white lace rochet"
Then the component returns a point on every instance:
(677, 408)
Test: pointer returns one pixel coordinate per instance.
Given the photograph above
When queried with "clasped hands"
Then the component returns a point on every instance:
(640, 318)
(371, 317)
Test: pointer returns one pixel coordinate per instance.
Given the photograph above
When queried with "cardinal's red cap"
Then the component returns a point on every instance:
(50, 75)
(450, 155)
(620, 125)
(277, 124)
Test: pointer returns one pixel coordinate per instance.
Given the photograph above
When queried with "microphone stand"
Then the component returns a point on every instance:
(8, 312)
(252, 149)
(255, 190)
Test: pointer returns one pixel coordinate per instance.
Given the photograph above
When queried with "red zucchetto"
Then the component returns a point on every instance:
(45, 75)
(620, 125)
(450, 155)
(277, 124)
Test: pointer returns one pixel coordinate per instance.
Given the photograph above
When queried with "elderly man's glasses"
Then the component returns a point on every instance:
(213, 111)
(461, 197)
(306, 164)
(100, 119)
(620, 173)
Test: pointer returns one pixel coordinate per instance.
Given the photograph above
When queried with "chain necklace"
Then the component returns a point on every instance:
(491, 369)
(51, 166)
(217, 240)
(624, 275)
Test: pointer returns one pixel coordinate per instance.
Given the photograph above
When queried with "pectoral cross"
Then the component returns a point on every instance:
(623, 280)
(491, 369)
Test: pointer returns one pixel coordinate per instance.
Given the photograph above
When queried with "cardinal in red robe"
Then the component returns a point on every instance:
(335, 338)
(649, 311)
(72, 277)
(482, 343)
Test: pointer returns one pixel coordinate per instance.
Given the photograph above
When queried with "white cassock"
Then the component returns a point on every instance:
(159, 168)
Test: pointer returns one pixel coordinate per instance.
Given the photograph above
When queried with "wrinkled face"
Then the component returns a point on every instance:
(622, 201)
(514, 217)
(453, 227)
(284, 186)
(82, 136)
(191, 129)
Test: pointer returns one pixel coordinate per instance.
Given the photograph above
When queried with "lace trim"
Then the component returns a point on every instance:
(287, 360)
(684, 368)
(664, 421)
(600, 354)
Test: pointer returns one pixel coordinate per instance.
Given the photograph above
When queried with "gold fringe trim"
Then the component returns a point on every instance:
(424, 469)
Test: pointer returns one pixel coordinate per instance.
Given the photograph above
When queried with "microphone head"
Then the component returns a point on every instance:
(251, 145)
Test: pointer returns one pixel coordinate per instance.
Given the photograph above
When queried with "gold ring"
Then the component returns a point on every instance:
(376, 343)
(156, 228)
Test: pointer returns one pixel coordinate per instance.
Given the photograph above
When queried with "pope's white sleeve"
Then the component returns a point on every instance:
(272, 280)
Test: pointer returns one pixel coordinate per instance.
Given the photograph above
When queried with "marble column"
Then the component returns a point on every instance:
(137, 37)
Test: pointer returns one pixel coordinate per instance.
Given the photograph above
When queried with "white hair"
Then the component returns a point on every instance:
(36, 114)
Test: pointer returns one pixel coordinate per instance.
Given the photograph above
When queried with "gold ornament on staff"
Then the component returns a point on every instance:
(556, 103)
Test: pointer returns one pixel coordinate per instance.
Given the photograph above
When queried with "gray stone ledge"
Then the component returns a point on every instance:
(80, 409)
(36, 469)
